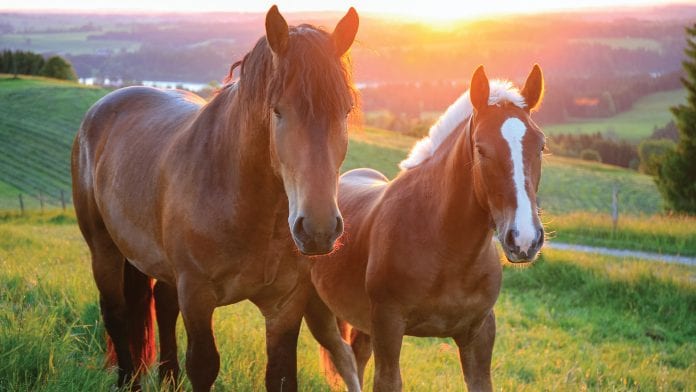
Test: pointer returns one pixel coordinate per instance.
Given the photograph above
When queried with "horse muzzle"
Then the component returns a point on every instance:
(313, 239)
(520, 251)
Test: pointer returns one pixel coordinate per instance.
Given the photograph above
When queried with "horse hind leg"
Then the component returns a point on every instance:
(337, 356)
(361, 344)
(125, 298)
(167, 306)
(109, 270)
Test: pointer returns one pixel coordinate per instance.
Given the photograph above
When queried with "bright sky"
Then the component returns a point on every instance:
(425, 9)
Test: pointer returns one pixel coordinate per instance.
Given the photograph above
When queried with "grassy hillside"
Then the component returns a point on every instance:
(567, 185)
(38, 121)
(39, 118)
(625, 325)
(635, 124)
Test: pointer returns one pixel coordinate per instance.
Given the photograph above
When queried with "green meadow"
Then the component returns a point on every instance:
(569, 322)
(634, 125)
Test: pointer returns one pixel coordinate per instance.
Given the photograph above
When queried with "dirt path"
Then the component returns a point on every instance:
(622, 253)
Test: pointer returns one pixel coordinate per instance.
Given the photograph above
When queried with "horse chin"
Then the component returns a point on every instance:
(314, 250)
(516, 259)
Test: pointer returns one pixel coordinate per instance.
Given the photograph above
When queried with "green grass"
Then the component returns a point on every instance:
(569, 322)
(634, 125)
(662, 234)
(38, 121)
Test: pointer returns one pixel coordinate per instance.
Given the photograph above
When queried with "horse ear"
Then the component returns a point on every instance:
(344, 33)
(480, 89)
(533, 88)
(276, 31)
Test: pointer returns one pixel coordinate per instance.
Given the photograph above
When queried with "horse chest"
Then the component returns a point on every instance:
(455, 301)
(450, 312)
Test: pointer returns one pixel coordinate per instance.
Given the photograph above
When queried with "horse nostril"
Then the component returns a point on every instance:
(339, 225)
(540, 238)
(298, 228)
(510, 238)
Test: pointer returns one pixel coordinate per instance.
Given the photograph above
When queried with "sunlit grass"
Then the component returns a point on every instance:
(569, 322)
(663, 234)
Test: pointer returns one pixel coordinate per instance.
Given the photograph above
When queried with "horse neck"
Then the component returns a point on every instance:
(462, 221)
(237, 147)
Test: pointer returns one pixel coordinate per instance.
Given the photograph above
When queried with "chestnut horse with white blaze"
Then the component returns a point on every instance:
(204, 197)
(418, 256)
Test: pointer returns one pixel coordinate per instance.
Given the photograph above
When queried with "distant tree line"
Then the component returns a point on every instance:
(29, 63)
(595, 147)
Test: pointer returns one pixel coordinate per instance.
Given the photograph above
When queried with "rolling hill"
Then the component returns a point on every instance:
(39, 118)
(38, 121)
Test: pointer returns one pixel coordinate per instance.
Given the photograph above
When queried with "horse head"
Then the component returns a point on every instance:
(310, 99)
(507, 152)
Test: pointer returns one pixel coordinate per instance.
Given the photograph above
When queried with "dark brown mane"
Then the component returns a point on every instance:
(322, 79)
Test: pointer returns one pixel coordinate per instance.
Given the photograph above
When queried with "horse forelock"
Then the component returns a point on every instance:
(321, 80)
(501, 91)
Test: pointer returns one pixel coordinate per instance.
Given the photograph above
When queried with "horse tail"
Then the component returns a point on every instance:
(140, 304)
(329, 369)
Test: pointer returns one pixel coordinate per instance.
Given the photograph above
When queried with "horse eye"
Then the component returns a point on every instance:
(276, 112)
(479, 150)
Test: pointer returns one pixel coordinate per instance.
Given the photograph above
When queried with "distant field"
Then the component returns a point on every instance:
(65, 43)
(635, 124)
(631, 43)
(570, 322)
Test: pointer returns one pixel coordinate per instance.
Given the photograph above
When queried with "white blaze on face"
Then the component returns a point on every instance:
(513, 131)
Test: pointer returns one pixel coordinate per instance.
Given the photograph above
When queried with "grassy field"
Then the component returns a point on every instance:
(663, 234)
(634, 125)
(569, 322)
(38, 121)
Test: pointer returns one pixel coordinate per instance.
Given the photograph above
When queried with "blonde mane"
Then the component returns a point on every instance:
(500, 91)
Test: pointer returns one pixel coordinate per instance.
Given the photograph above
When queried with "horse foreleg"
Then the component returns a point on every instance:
(475, 355)
(387, 333)
(282, 330)
(322, 324)
(167, 308)
(197, 301)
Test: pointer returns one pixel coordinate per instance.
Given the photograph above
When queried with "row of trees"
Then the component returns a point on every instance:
(595, 147)
(29, 63)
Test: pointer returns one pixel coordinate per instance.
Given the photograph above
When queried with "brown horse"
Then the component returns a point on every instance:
(418, 256)
(203, 197)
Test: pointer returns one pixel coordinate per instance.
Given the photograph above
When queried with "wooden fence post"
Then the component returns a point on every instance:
(615, 206)
(62, 199)
(41, 201)
(21, 204)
